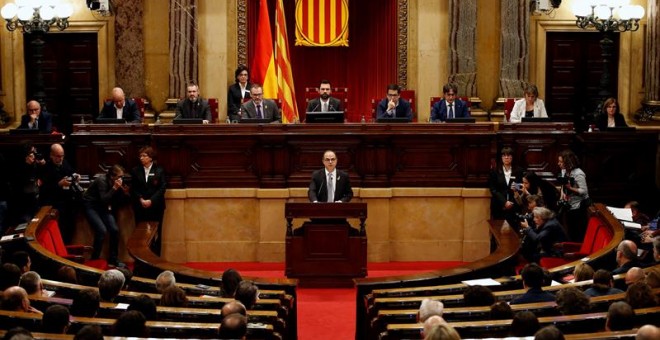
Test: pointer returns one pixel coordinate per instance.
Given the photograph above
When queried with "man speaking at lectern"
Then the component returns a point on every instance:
(329, 184)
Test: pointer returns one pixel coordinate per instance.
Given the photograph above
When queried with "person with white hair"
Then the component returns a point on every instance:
(165, 280)
(428, 309)
(431, 322)
(110, 284)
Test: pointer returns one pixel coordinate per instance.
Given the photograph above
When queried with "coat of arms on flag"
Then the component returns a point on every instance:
(321, 23)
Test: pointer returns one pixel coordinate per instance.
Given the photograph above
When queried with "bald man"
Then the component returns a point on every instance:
(120, 108)
(36, 119)
(626, 257)
(57, 190)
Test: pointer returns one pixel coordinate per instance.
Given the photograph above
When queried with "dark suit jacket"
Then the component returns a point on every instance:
(534, 295)
(268, 109)
(200, 109)
(601, 121)
(131, 112)
(314, 105)
(500, 190)
(318, 187)
(235, 100)
(402, 110)
(550, 233)
(45, 122)
(152, 189)
(439, 110)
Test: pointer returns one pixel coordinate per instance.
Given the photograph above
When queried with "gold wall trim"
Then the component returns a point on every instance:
(402, 44)
(242, 32)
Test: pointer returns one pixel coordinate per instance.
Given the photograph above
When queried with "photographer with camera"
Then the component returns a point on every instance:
(574, 197)
(101, 201)
(502, 182)
(60, 187)
(541, 239)
(24, 202)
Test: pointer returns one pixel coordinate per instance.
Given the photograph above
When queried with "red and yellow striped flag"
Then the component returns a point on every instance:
(285, 89)
(263, 64)
(322, 22)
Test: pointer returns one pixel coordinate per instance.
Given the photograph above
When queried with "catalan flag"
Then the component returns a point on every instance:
(285, 89)
(322, 23)
(263, 64)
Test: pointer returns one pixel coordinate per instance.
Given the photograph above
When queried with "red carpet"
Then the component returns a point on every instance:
(327, 313)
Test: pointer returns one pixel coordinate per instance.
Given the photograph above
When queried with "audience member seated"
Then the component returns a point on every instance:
(656, 250)
(640, 295)
(17, 333)
(450, 106)
(637, 215)
(634, 274)
(233, 307)
(233, 326)
(648, 332)
(67, 274)
(22, 260)
(31, 282)
(475, 296)
(653, 278)
(260, 108)
(128, 275)
(237, 92)
(193, 106)
(430, 323)
(532, 277)
(110, 284)
(501, 311)
(603, 284)
(548, 232)
(574, 194)
(16, 300)
(86, 303)
(145, 305)
(247, 293)
(524, 323)
(528, 107)
(394, 106)
(131, 324)
(121, 108)
(442, 331)
(549, 333)
(165, 280)
(626, 257)
(230, 280)
(429, 308)
(89, 332)
(571, 300)
(610, 115)
(10, 275)
(55, 320)
(583, 272)
(36, 119)
(620, 317)
(500, 182)
(173, 297)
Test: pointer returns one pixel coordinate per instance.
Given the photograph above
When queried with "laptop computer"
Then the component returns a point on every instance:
(461, 120)
(188, 121)
(535, 120)
(255, 121)
(110, 121)
(324, 117)
(393, 120)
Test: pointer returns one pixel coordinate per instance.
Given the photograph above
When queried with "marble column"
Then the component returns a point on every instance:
(129, 61)
(514, 47)
(652, 73)
(462, 46)
(184, 66)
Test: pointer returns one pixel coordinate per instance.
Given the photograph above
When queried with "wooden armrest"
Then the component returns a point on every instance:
(568, 247)
(79, 249)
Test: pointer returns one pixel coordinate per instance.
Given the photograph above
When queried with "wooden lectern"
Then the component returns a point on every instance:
(326, 251)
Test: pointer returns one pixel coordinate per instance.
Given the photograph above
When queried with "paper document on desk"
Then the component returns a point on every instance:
(631, 225)
(623, 214)
(482, 282)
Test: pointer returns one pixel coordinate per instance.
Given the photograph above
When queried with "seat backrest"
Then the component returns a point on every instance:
(409, 95)
(603, 237)
(58, 243)
(590, 236)
(508, 106)
(45, 240)
(374, 105)
(340, 93)
(140, 102)
(213, 104)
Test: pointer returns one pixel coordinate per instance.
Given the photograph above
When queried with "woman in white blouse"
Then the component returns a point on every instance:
(530, 106)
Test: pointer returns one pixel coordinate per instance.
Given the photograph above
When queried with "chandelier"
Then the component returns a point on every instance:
(36, 15)
(608, 15)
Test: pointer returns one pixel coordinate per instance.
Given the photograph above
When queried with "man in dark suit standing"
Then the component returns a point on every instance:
(450, 107)
(394, 106)
(35, 118)
(121, 108)
(330, 184)
(193, 106)
(325, 102)
(260, 108)
(148, 191)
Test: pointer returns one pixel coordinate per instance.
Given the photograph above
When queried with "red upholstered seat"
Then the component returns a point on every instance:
(50, 238)
(597, 237)
(213, 104)
(508, 106)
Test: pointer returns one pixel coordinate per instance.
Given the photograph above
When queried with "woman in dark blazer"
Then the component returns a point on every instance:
(610, 115)
(148, 190)
(237, 92)
(502, 178)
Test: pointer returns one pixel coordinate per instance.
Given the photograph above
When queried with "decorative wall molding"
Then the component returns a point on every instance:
(242, 32)
(402, 44)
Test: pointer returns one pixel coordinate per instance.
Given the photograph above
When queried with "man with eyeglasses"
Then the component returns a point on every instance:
(36, 119)
(260, 108)
(330, 184)
(394, 106)
(450, 106)
(193, 106)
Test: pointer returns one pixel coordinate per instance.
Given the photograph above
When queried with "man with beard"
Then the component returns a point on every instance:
(193, 106)
(325, 102)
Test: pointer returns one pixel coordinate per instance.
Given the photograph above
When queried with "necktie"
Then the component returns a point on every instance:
(331, 189)
(325, 107)
(451, 111)
(36, 124)
(259, 115)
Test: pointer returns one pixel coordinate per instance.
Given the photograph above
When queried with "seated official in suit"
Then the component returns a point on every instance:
(610, 115)
(193, 106)
(36, 119)
(449, 107)
(260, 108)
(325, 102)
(394, 106)
(121, 108)
(237, 92)
(330, 184)
(528, 107)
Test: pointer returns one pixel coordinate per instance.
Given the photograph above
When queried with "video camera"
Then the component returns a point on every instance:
(565, 180)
